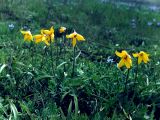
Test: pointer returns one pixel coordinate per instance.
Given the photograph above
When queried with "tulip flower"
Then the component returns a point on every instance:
(41, 38)
(142, 56)
(75, 36)
(38, 38)
(27, 35)
(62, 29)
(125, 59)
(49, 34)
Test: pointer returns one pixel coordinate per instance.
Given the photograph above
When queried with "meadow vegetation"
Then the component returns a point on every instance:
(56, 78)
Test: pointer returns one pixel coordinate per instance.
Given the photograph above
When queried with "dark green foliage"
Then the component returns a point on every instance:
(36, 85)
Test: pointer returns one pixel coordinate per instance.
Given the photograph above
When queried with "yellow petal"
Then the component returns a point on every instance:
(46, 42)
(67, 36)
(119, 54)
(24, 32)
(128, 62)
(62, 29)
(52, 29)
(48, 38)
(52, 37)
(38, 38)
(121, 63)
(28, 33)
(48, 32)
(124, 53)
(74, 42)
(135, 54)
(145, 58)
(30, 38)
(26, 37)
(71, 35)
(44, 38)
(139, 60)
(80, 37)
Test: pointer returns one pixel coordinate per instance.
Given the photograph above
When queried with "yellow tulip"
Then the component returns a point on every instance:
(62, 29)
(38, 38)
(49, 34)
(41, 38)
(75, 36)
(125, 59)
(142, 56)
(27, 35)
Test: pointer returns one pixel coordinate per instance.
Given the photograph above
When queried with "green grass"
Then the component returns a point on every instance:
(33, 84)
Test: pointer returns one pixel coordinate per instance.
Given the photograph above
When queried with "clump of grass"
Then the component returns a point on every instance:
(46, 81)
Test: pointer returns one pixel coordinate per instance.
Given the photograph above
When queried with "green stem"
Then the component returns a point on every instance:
(136, 75)
(56, 52)
(32, 51)
(64, 54)
(136, 79)
(44, 56)
(51, 55)
(74, 62)
(127, 80)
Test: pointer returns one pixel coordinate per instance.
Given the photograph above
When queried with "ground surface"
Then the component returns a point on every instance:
(36, 81)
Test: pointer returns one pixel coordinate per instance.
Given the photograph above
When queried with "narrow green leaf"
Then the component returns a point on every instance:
(62, 115)
(14, 110)
(76, 106)
(2, 67)
(69, 111)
